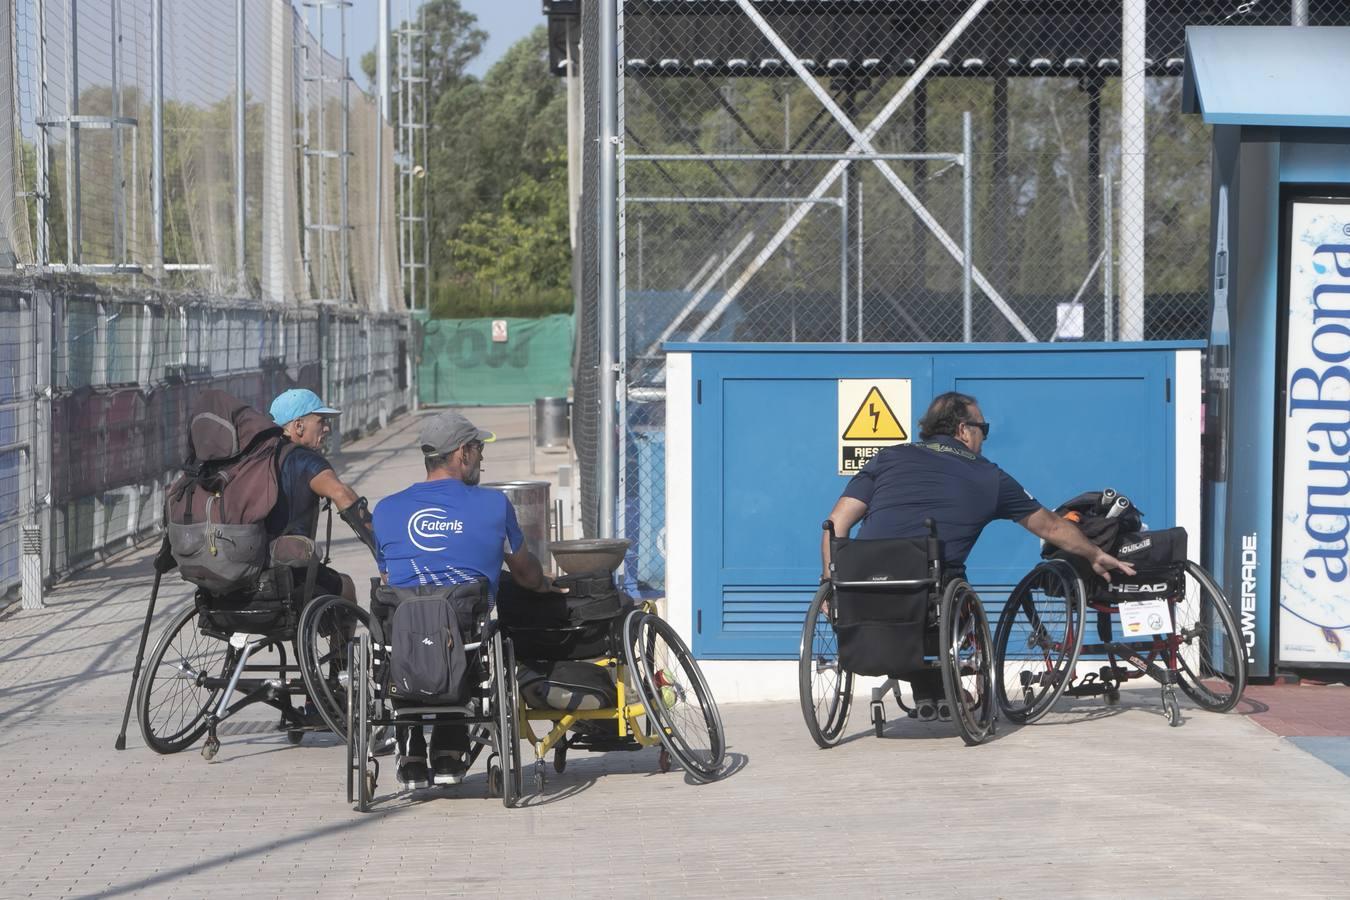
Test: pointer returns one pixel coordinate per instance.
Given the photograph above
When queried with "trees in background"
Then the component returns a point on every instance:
(496, 170)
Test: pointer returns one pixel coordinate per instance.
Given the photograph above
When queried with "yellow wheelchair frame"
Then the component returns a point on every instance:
(630, 734)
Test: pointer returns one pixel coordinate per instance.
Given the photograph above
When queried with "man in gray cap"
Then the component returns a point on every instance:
(442, 532)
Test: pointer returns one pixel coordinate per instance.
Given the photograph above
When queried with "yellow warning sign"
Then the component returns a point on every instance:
(875, 421)
(873, 414)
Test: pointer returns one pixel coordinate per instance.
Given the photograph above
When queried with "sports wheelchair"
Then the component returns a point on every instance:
(1187, 639)
(234, 643)
(585, 654)
(888, 608)
(486, 703)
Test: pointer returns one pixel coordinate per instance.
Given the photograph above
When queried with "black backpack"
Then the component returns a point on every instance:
(1158, 556)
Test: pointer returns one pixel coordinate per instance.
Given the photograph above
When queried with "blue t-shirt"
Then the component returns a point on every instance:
(445, 532)
(297, 507)
(941, 480)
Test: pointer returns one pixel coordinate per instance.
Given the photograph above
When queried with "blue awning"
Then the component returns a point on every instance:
(1262, 75)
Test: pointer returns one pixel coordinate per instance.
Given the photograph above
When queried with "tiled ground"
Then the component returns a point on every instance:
(1093, 802)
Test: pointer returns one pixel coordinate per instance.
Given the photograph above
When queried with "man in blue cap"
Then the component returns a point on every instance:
(305, 477)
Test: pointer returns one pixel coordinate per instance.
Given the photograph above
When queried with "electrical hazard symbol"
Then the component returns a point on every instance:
(873, 414)
(875, 421)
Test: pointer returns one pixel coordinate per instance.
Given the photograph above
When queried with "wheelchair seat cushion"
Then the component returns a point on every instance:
(567, 686)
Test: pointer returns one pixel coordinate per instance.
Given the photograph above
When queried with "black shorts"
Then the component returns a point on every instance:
(327, 580)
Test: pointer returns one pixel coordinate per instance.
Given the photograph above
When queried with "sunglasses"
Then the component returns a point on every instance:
(982, 426)
(476, 446)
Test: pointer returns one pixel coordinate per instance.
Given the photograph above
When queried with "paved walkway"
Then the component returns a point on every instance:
(1093, 802)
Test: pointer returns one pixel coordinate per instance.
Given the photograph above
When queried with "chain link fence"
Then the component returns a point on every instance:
(249, 247)
(96, 389)
(801, 171)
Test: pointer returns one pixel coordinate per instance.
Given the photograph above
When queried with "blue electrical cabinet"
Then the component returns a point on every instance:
(763, 449)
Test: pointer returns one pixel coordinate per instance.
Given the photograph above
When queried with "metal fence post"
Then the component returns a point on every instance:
(157, 129)
(72, 137)
(1108, 260)
(967, 226)
(43, 175)
(607, 475)
(30, 563)
(241, 272)
(843, 253)
(1133, 167)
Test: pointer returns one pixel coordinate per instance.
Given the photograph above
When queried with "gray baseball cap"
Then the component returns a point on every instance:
(448, 431)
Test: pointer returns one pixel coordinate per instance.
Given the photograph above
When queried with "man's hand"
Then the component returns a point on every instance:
(1103, 563)
(1065, 535)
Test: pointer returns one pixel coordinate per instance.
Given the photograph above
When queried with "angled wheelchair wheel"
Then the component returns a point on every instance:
(180, 684)
(327, 624)
(1211, 662)
(967, 662)
(676, 695)
(823, 686)
(1039, 637)
(505, 700)
(362, 768)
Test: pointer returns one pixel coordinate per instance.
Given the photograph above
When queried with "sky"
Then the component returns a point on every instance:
(505, 21)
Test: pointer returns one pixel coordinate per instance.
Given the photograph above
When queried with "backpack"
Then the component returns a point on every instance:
(426, 629)
(216, 509)
(1159, 556)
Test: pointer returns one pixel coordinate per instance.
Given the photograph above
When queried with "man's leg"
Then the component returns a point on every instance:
(412, 758)
(927, 687)
(449, 752)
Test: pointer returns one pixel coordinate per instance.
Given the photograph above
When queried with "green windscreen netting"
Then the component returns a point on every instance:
(462, 364)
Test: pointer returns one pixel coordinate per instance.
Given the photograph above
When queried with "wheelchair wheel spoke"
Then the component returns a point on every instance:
(824, 687)
(677, 697)
(172, 700)
(1211, 663)
(1037, 641)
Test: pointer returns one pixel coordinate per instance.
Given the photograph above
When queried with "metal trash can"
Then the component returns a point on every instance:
(552, 425)
(530, 498)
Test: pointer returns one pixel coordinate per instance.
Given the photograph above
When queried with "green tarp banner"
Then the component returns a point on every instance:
(463, 366)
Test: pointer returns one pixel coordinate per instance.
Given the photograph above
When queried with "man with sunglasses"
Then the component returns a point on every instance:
(442, 532)
(943, 477)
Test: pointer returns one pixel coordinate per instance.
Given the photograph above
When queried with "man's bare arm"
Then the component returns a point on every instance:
(326, 484)
(845, 515)
(527, 571)
(1065, 535)
(351, 507)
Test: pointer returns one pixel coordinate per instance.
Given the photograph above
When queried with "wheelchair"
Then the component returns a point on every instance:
(488, 708)
(229, 650)
(609, 674)
(889, 609)
(1042, 643)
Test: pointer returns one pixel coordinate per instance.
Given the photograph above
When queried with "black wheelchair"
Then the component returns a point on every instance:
(229, 650)
(1042, 645)
(889, 609)
(486, 704)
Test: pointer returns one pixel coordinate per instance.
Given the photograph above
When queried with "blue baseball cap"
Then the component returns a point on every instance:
(291, 405)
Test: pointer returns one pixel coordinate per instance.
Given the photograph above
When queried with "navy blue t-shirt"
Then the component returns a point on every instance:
(445, 532)
(297, 507)
(940, 480)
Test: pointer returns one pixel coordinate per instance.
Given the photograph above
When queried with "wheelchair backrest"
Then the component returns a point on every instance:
(469, 601)
(865, 575)
(425, 630)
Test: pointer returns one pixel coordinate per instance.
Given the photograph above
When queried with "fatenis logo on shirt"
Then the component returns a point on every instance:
(432, 525)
